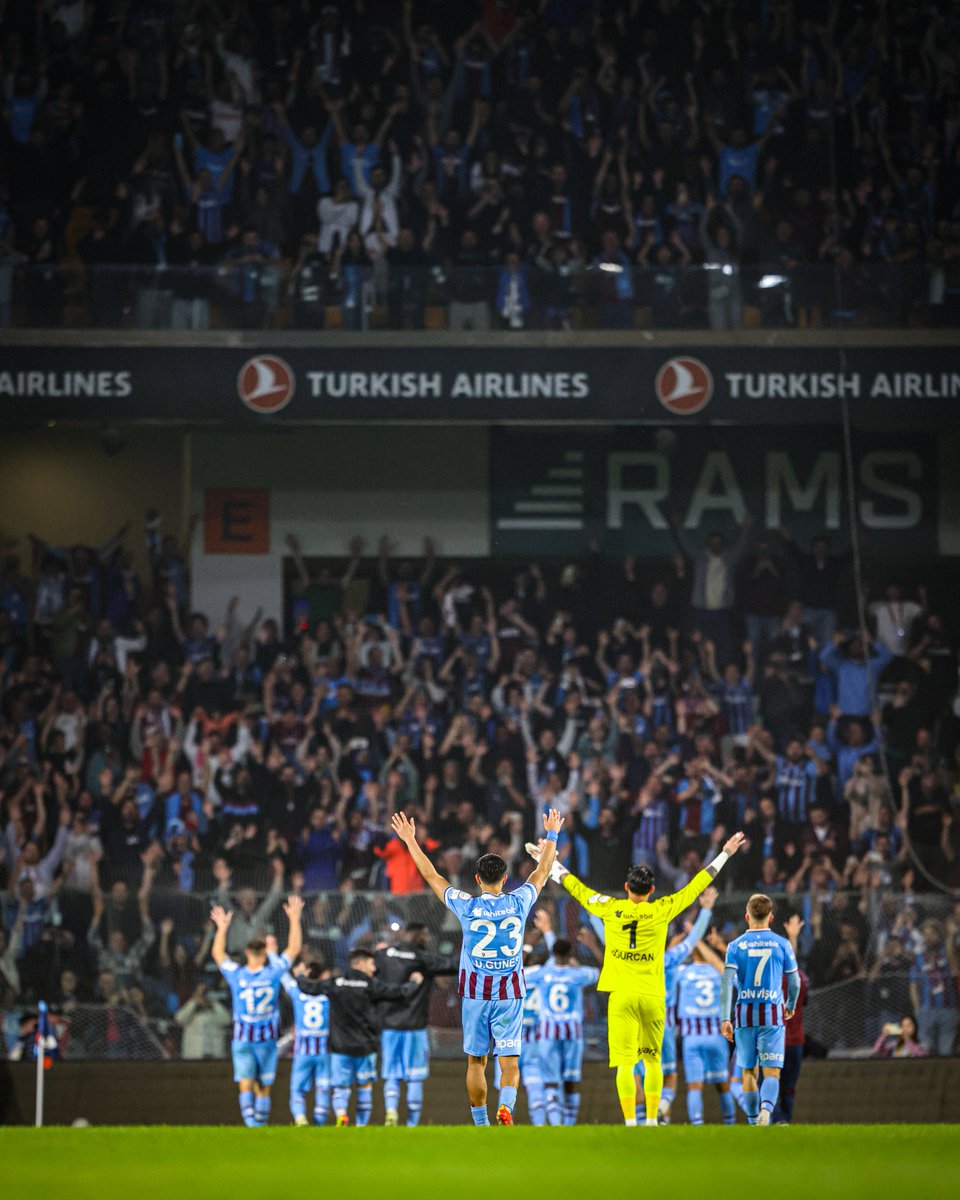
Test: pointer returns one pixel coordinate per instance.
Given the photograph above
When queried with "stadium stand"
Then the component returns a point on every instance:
(156, 760)
(503, 164)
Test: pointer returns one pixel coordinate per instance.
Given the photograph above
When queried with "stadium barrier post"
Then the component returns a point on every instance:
(41, 1054)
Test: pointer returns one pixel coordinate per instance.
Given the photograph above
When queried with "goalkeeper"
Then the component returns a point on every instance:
(635, 929)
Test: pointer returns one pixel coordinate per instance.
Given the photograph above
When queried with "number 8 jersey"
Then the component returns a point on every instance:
(256, 999)
(491, 959)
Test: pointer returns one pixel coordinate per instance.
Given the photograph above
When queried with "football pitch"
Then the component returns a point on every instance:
(179, 1163)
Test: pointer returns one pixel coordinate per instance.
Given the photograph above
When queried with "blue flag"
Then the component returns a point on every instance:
(45, 1044)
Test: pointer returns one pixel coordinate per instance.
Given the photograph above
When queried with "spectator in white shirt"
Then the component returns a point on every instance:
(894, 619)
(379, 226)
(338, 214)
(204, 1022)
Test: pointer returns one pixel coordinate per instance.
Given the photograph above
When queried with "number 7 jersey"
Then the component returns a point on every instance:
(760, 959)
(491, 958)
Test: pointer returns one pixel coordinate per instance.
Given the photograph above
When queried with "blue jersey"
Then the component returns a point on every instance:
(311, 1019)
(673, 956)
(758, 961)
(491, 959)
(736, 700)
(698, 1000)
(796, 785)
(561, 1015)
(532, 1004)
(256, 999)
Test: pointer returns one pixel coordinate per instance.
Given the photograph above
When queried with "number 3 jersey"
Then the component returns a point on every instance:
(491, 959)
(698, 1000)
(256, 999)
(760, 959)
(311, 1019)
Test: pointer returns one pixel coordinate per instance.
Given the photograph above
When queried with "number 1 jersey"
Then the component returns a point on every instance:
(491, 959)
(635, 934)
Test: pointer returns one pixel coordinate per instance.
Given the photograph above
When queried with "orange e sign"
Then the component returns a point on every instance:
(236, 521)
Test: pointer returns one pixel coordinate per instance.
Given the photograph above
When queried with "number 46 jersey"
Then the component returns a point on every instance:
(491, 959)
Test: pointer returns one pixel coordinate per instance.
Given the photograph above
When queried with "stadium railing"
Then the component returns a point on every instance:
(101, 1010)
(275, 296)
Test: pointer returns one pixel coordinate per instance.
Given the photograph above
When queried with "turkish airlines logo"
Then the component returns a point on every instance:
(684, 386)
(266, 384)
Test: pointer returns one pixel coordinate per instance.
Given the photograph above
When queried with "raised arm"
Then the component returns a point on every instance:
(221, 919)
(294, 908)
(683, 950)
(552, 824)
(406, 831)
(685, 897)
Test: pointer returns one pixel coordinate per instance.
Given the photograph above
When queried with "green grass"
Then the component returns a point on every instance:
(180, 1163)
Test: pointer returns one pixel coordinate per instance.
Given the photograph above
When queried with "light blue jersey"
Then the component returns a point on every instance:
(530, 1056)
(674, 956)
(561, 1021)
(698, 1000)
(491, 959)
(562, 988)
(756, 963)
(706, 1053)
(311, 1019)
(256, 999)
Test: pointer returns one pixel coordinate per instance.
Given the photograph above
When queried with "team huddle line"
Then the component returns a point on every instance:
(529, 1015)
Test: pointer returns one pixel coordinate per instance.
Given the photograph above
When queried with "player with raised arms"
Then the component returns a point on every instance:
(492, 985)
(635, 931)
(755, 966)
(675, 955)
(255, 991)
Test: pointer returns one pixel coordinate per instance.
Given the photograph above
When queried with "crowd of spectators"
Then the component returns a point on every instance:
(506, 161)
(154, 760)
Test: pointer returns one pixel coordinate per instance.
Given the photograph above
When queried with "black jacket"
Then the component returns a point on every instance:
(354, 997)
(396, 964)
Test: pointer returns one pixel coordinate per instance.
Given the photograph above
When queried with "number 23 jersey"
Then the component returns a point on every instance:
(491, 958)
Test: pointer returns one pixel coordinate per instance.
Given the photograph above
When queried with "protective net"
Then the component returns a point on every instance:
(126, 989)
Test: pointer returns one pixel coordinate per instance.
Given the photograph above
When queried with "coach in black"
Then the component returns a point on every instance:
(354, 1028)
(405, 1046)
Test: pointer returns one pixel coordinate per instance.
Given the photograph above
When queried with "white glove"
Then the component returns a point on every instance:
(557, 871)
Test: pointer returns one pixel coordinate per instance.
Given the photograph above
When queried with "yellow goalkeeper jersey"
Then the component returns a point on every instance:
(635, 934)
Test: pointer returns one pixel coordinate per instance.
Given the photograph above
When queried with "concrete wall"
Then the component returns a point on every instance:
(179, 1093)
(328, 485)
(60, 484)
